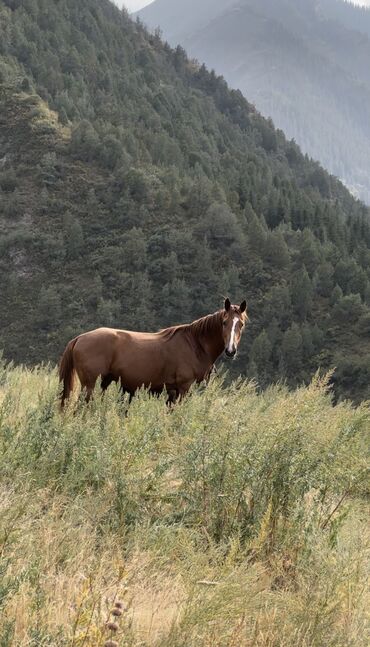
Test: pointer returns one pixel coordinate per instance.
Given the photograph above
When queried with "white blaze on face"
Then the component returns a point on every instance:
(230, 346)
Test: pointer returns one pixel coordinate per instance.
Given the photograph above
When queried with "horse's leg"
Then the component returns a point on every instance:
(124, 390)
(172, 396)
(130, 395)
(87, 374)
(107, 381)
(89, 390)
(183, 390)
(88, 382)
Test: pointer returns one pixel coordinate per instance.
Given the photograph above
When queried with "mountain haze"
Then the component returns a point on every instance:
(305, 63)
(136, 189)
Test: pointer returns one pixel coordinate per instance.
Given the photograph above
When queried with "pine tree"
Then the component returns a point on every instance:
(276, 251)
(307, 341)
(256, 235)
(260, 356)
(73, 236)
(302, 291)
(324, 279)
(292, 350)
(336, 295)
(49, 307)
(309, 253)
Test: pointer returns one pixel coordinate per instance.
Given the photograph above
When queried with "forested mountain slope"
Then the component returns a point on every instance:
(305, 63)
(137, 190)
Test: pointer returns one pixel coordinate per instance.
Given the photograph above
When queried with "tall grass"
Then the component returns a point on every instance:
(235, 518)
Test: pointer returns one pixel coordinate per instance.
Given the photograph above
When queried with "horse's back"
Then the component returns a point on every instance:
(134, 358)
(127, 355)
(97, 337)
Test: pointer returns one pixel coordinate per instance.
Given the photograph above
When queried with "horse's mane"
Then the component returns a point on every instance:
(197, 328)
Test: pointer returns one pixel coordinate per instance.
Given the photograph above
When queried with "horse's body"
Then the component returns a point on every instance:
(170, 359)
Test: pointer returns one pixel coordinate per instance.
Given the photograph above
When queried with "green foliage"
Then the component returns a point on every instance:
(348, 308)
(136, 190)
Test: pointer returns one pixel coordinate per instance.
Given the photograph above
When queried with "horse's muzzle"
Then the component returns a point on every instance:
(230, 354)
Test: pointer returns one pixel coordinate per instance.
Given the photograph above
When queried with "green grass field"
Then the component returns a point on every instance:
(234, 519)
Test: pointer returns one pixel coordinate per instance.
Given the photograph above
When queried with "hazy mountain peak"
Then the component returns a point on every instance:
(305, 63)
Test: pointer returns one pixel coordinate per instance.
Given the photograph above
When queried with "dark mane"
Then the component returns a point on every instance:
(197, 328)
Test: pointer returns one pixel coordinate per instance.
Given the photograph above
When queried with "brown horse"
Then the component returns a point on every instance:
(171, 359)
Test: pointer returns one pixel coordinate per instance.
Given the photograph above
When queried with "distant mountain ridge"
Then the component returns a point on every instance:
(297, 61)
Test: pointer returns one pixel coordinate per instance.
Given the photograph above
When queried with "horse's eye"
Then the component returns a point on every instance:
(224, 323)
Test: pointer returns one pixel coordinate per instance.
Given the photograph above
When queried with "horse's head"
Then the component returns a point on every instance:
(233, 322)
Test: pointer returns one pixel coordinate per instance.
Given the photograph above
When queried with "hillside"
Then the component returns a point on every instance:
(136, 190)
(305, 63)
(208, 532)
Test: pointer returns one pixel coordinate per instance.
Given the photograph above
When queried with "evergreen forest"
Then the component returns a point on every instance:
(137, 190)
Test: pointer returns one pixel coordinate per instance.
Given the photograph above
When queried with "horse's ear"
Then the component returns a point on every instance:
(243, 306)
(227, 305)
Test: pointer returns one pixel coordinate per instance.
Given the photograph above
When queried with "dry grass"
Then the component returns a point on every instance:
(218, 523)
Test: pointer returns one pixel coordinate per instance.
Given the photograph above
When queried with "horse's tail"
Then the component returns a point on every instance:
(67, 371)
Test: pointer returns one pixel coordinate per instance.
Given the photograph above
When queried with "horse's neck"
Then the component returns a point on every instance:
(214, 350)
(210, 338)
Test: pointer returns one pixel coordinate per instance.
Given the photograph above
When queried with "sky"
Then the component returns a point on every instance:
(134, 5)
